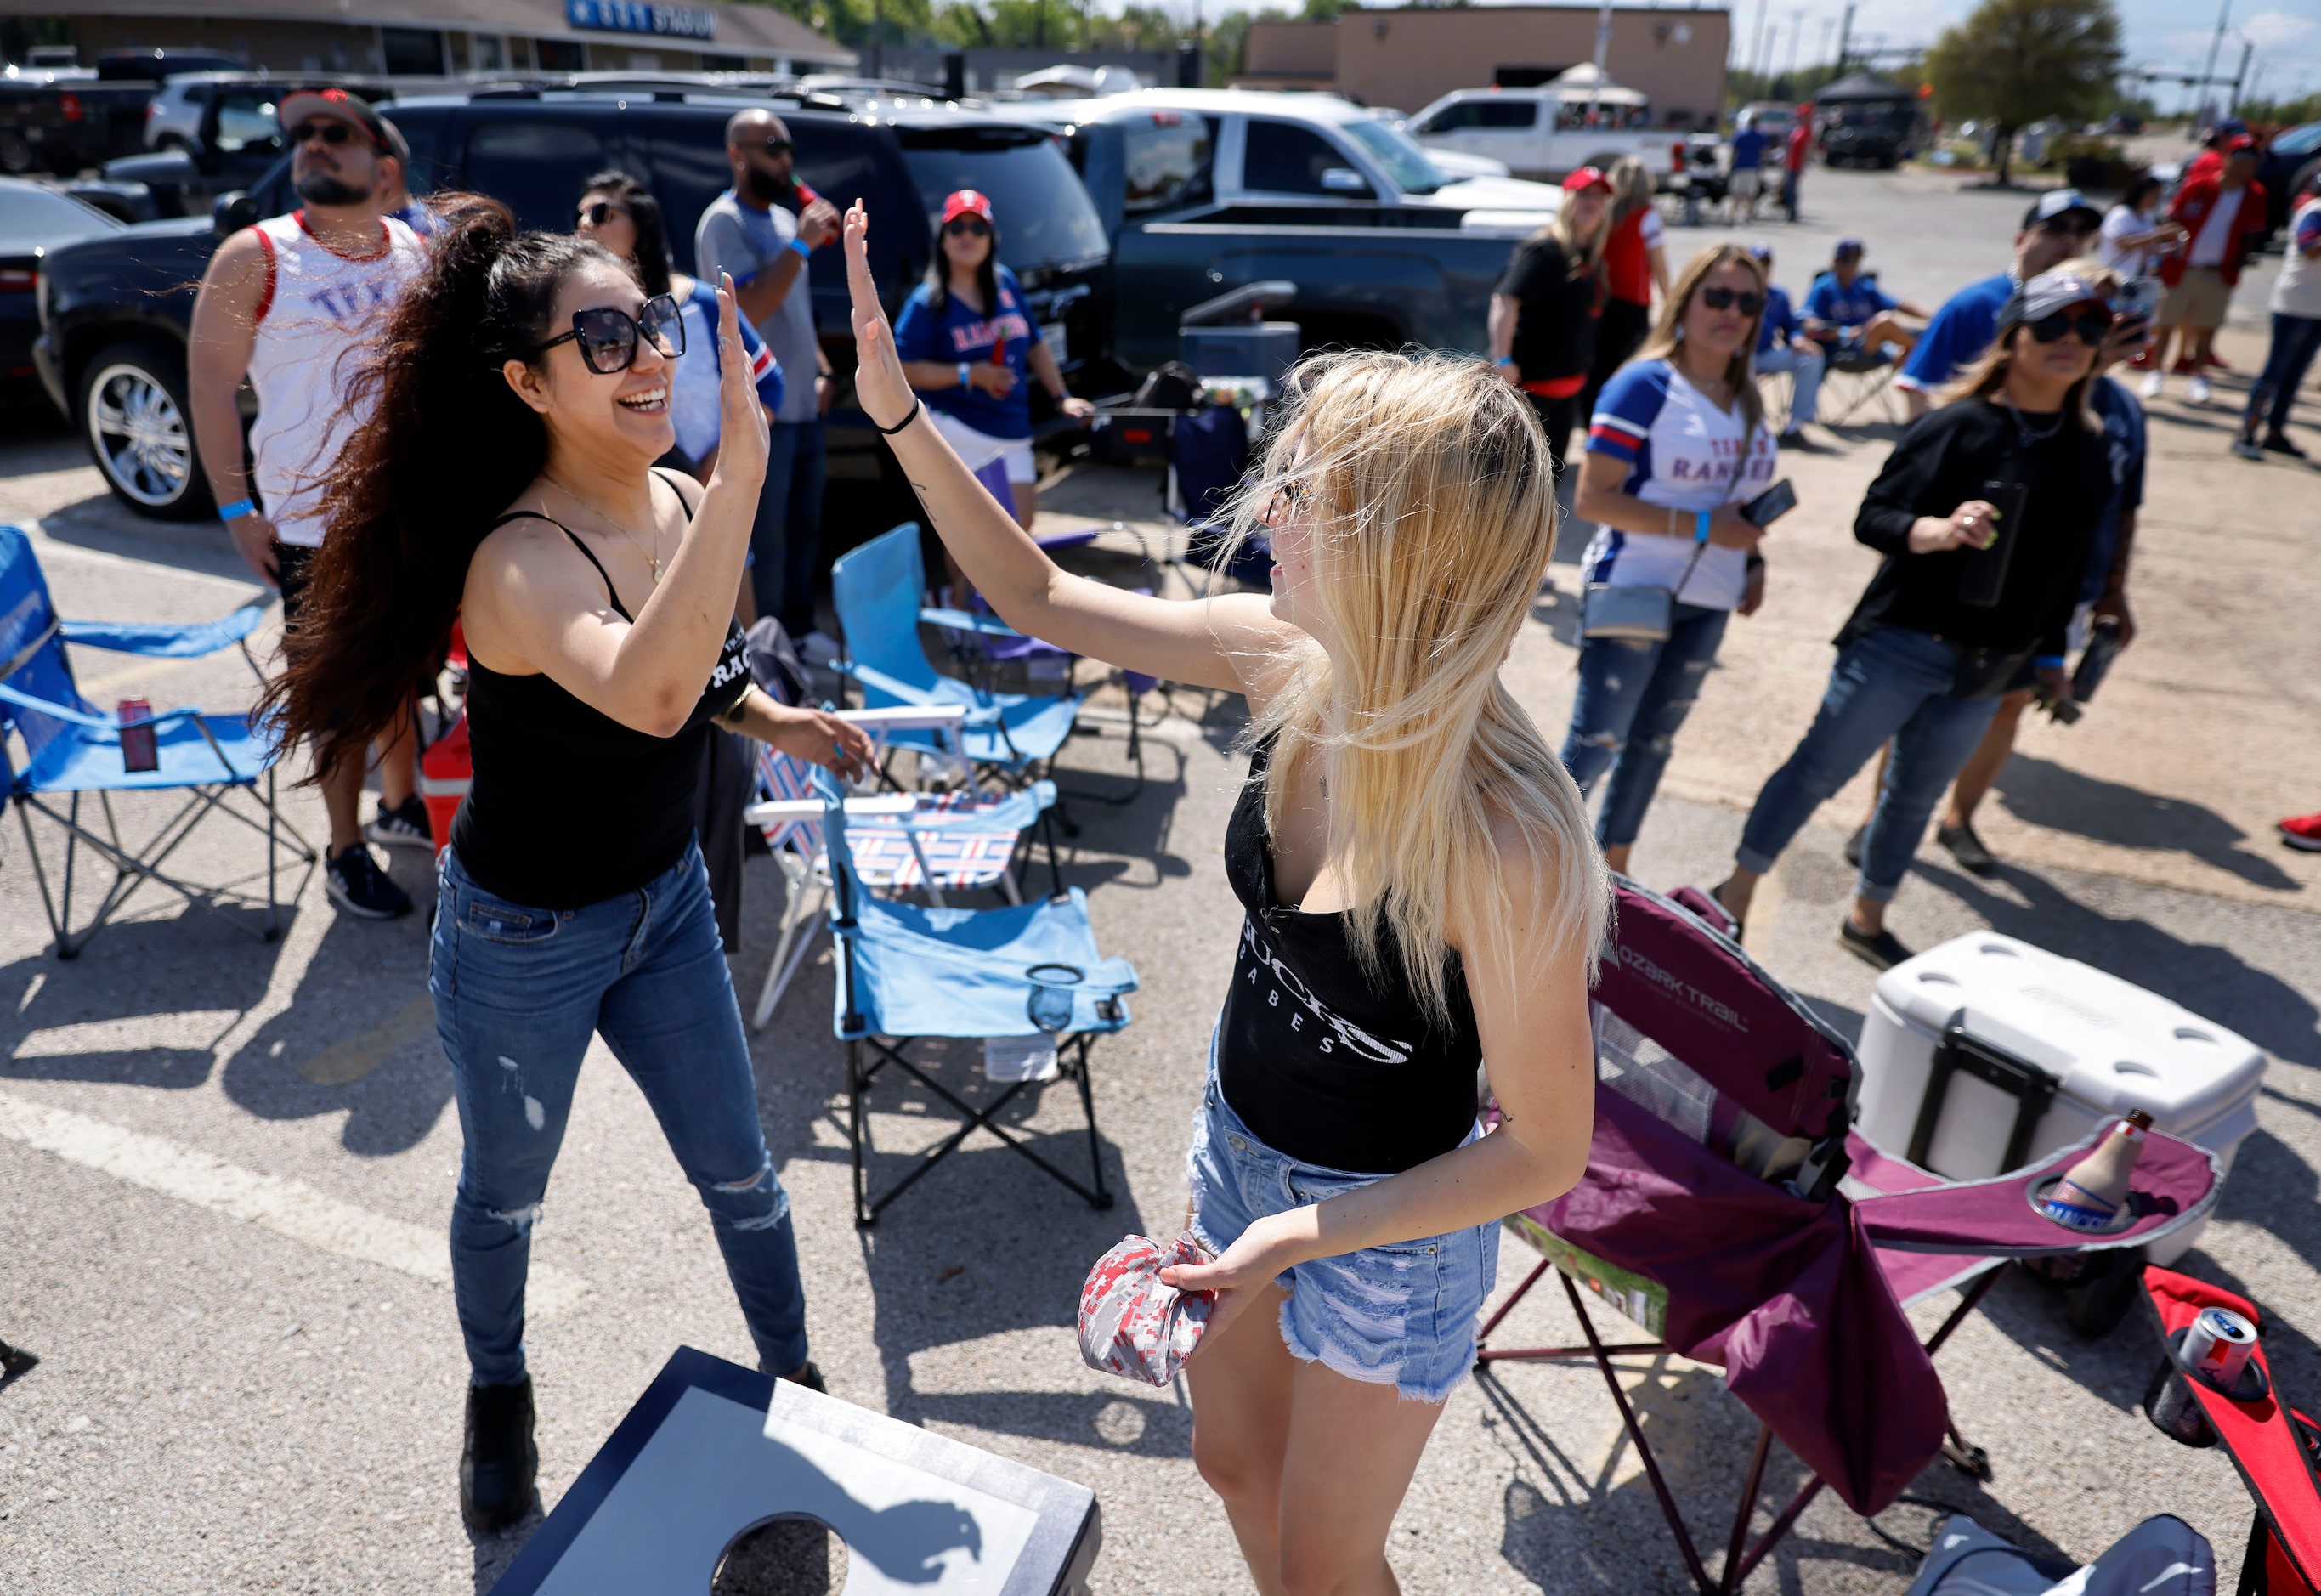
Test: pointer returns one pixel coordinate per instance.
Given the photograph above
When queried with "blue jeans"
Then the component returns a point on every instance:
(1805, 368)
(1889, 683)
(2296, 340)
(517, 993)
(787, 532)
(1633, 699)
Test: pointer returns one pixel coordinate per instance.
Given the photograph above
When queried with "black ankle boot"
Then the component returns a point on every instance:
(497, 1463)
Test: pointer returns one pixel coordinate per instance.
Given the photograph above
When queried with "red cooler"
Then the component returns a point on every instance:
(445, 773)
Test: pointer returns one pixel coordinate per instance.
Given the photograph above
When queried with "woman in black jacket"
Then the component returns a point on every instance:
(1546, 304)
(1985, 512)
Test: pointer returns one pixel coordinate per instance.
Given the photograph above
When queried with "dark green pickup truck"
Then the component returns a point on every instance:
(1204, 191)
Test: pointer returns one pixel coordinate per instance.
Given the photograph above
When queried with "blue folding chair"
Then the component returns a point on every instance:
(907, 973)
(877, 590)
(71, 749)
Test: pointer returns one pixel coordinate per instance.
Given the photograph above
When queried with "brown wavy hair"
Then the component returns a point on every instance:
(447, 445)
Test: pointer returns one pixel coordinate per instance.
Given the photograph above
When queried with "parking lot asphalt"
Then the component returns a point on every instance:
(226, 1165)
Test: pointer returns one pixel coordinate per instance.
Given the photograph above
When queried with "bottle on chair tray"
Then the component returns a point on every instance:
(2088, 1196)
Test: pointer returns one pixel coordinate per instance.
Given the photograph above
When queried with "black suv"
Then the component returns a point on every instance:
(114, 311)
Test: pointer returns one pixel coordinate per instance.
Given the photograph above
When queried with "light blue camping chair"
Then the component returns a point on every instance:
(878, 588)
(906, 973)
(72, 749)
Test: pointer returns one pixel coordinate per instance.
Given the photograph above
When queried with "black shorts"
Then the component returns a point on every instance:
(290, 563)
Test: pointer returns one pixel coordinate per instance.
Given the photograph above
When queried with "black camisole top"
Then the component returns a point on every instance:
(1322, 1063)
(567, 806)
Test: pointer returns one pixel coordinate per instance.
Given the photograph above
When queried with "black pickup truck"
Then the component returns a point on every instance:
(114, 311)
(61, 119)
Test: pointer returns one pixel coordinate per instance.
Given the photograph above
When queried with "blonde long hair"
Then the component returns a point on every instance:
(1430, 491)
(1740, 372)
(1988, 375)
(1633, 187)
(1583, 255)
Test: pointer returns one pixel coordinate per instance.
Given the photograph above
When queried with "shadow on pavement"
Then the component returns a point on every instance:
(2051, 795)
(2205, 978)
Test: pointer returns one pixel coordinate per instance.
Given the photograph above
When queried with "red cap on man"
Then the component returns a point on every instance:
(339, 105)
(966, 202)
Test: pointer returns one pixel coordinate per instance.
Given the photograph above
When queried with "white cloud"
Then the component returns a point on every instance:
(2271, 30)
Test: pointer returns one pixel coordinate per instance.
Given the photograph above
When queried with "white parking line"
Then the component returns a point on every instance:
(286, 1207)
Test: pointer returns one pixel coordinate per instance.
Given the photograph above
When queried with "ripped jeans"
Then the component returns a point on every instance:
(1633, 699)
(518, 991)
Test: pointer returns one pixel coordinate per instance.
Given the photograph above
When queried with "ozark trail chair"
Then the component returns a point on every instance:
(73, 751)
(1729, 1210)
(906, 974)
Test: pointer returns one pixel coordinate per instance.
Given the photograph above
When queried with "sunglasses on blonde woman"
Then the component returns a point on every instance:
(1748, 301)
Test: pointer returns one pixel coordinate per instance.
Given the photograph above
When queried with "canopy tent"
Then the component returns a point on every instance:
(1584, 80)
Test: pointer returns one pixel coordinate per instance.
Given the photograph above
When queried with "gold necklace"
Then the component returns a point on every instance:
(652, 555)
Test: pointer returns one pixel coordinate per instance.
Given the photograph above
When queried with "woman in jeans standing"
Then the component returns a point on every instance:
(1677, 444)
(1950, 619)
(1545, 310)
(507, 478)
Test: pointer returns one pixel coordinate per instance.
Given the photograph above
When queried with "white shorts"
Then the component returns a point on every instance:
(978, 450)
(1743, 182)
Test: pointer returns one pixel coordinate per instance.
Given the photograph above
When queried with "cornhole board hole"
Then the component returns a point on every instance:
(713, 1450)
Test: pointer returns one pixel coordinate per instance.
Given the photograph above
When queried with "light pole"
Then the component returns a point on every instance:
(2208, 72)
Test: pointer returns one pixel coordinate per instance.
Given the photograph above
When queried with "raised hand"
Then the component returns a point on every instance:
(740, 419)
(880, 387)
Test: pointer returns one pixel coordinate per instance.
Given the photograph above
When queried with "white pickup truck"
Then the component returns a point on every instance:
(1546, 133)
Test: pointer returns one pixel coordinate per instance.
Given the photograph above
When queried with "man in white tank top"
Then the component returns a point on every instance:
(290, 304)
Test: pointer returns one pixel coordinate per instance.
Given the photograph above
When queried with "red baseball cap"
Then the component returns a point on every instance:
(300, 104)
(1587, 176)
(967, 202)
(2238, 142)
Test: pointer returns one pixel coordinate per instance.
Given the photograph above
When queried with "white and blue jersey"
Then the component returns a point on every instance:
(695, 403)
(1961, 331)
(1683, 451)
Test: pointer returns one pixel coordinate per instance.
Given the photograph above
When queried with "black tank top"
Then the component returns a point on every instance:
(1322, 1063)
(566, 805)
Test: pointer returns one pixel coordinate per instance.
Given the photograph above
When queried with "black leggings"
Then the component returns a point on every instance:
(1558, 416)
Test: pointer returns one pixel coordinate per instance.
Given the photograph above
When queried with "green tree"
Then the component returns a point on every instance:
(2015, 61)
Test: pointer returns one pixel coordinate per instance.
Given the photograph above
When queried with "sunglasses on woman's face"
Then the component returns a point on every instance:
(967, 227)
(2092, 324)
(1750, 301)
(608, 337)
(597, 212)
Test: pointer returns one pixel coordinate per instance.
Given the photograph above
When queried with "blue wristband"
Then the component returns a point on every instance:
(1700, 526)
(804, 250)
(2049, 662)
(236, 510)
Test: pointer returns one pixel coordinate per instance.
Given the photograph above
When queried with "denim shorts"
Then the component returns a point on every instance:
(1402, 1315)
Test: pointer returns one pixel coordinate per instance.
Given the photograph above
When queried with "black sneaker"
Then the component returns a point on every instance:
(1967, 849)
(808, 1376)
(357, 885)
(1882, 950)
(499, 1461)
(2281, 444)
(404, 827)
(1853, 846)
(16, 1361)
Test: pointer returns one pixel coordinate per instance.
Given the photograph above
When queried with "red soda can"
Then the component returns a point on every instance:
(140, 749)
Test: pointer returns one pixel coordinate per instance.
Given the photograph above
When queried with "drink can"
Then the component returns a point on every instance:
(140, 749)
(2216, 1346)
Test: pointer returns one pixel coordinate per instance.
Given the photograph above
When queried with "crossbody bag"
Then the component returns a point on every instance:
(1637, 613)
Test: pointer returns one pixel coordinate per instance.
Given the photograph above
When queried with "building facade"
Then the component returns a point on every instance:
(435, 38)
(1407, 57)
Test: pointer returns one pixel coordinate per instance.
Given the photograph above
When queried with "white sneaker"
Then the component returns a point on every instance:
(817, 647)
(2198, 391)
(2153, 383)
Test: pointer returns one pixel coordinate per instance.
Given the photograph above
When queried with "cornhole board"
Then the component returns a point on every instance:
(712, 1450)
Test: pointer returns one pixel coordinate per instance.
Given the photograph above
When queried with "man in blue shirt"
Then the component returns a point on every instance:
(1783, 346)
(1846, 311)
(761, 231)
(1745, 180)
(2058, 226)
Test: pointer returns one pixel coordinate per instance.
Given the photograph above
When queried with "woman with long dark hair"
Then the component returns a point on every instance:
(1952, 618)
(970, 347)
(520, 398)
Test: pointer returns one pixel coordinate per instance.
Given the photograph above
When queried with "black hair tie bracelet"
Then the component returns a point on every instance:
(916, 406)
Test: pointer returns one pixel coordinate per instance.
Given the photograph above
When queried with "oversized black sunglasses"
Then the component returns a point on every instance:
(2092, 324)
(967, 227)
(329, 131)
(597, 212)
(1750, 301)
(608, 337)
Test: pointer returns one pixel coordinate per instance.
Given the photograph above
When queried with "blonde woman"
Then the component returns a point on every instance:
(1421, 896)
(1635, 266)
(1677, 444)
(1543, 314)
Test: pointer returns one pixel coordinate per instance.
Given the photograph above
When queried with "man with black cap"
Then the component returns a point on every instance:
(2223, 214)
(2056, 227)
(288, 304)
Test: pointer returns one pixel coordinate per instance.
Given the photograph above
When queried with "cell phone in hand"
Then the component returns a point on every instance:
(1771, 505)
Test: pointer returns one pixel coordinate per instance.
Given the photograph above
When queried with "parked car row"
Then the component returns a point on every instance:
(63, 119)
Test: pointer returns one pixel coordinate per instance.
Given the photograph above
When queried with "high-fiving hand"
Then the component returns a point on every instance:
(741, 436)
(880, 388)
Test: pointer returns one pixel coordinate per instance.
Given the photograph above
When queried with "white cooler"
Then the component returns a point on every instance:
(1986, 1054)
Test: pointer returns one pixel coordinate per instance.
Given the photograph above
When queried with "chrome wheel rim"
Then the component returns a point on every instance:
(139, 435)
